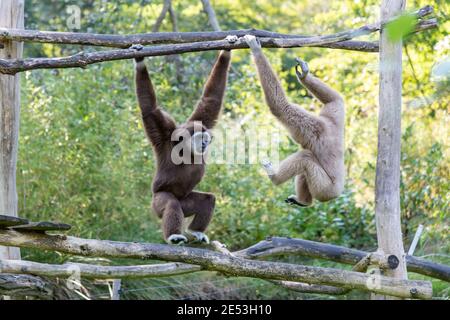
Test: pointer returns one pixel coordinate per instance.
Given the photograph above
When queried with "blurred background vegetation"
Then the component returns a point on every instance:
(84, 158)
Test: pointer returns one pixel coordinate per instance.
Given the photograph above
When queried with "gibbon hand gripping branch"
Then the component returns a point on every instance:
(197, 259)
(196, 41)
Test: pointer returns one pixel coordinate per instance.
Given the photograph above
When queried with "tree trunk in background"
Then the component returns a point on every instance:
(11, 16)
(162, 15)
(387, 194)
(211, 15)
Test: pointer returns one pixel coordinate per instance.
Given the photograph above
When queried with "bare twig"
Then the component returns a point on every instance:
(162, 15)
(207, 7)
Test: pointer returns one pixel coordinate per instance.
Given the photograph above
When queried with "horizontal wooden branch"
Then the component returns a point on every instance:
(279, 246)
(82, 59)
(214, 261)
(21, 285)
(311, 288)
(125, 41)
(96, 271)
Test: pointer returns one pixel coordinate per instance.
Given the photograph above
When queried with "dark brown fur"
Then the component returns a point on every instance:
(173, 185)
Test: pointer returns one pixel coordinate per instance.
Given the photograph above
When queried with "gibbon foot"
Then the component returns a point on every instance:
(138, 61)
(305, 69)
(252, 41)
(177, 239)
(199, 236)
(232, 39)
(292, 200)
(137, 47)
(268, 166)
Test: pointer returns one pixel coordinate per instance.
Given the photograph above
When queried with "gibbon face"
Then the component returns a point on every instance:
(190, 140)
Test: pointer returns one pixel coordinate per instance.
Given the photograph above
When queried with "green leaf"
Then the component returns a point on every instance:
(400, 27)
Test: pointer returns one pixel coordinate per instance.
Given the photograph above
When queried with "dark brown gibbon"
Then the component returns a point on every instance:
(319, 168)
(175, 180)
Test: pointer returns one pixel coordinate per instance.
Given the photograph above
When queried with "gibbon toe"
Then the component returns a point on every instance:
(232, 38)
(199, 236)
(177, 239)
(292, 200)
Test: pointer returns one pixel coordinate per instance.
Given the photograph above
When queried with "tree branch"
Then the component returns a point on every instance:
(96, 271)
(215, 261)
(162, 15)
(125, 41)
(207, 7)
(81, 60)
(280, 246)
(24, 285)
(311, 288)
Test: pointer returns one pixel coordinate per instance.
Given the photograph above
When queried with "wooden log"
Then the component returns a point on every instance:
(8, 221)
(125, 41)
(214, 261)
(311, 288)
(275, 246)
(82, 59)
(11, 16)
(42, 226)
(24, 285)
(96, 271)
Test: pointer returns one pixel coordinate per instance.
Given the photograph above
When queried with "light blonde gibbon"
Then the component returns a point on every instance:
(319, 168)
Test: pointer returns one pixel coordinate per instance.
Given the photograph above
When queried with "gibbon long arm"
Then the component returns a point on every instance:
(320, 90)
(332, 100)
(158, 124)
(307, 125)
(210, 104)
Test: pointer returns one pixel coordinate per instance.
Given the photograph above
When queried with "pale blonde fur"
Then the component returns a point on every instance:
(318, 168)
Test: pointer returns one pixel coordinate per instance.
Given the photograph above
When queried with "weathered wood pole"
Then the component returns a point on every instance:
(11, 16)
(387, 184)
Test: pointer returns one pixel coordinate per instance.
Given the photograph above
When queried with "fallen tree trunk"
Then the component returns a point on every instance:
(82, 59)
(24, 285)
(279, 246)
(213, 261)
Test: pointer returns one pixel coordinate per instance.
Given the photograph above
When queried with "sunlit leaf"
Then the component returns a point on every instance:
(400, 27)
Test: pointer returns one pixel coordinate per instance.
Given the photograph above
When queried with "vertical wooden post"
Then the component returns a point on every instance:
(11, 16)
(387, 194)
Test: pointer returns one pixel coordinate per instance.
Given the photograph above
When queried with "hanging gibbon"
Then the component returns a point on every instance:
(174, 197)
(319, 168)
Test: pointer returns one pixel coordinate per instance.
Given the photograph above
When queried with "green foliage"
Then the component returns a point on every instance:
(84, 158)
(401, 27)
